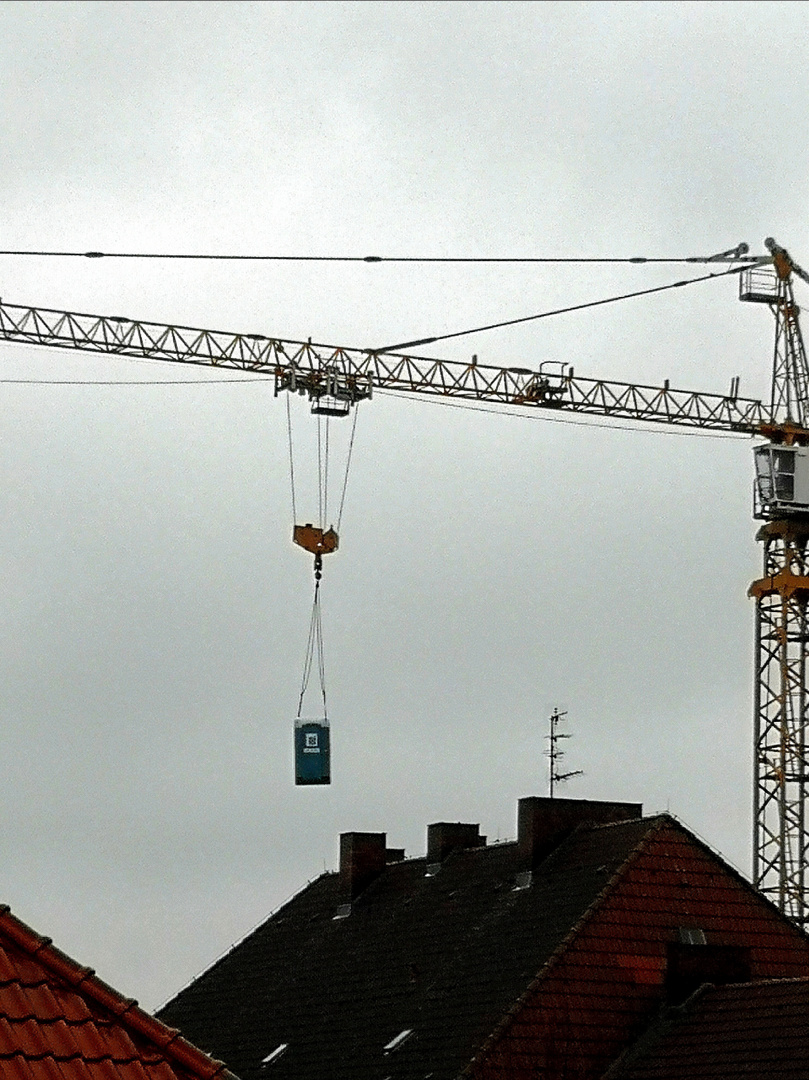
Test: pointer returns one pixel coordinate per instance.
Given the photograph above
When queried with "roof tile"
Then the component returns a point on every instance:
(753, 1029)
(17, 1067)
(462, 957)
(59, 1022)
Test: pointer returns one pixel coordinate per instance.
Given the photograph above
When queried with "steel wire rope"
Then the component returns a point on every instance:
(314, 646)
(291, 462)
(522, 414)
(135, 382)
(402, 345)
(641, 427)
(307, 663)
(734, 255)
(348, 466)
(556, 311)
(321, 656)
(326, 473)
(319, 474)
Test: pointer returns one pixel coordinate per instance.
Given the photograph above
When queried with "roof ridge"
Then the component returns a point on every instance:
(775, 981)
(126, 1010)
(656, 823)
(255, 929)
(736, 873)
(662, 1023)
(669, 1017)
(621, 823)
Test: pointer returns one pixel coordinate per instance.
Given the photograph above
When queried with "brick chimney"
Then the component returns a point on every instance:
(543, 823)
(362, 859)
(444, 837)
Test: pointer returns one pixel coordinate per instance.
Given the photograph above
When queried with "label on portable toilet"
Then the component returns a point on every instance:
(312, 756)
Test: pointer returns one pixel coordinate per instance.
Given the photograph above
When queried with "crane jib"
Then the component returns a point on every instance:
(336, 378)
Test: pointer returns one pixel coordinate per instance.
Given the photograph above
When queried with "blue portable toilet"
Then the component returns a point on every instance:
(312, 754)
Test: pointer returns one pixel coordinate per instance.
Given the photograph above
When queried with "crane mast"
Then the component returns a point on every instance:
(335, 379)
(781, 694)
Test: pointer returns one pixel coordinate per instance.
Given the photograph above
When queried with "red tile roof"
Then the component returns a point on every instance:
(608, 978)
(58, 1021)
(498, 974)
(748, 1030)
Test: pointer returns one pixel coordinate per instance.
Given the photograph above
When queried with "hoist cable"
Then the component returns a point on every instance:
(319, 475)
(321, 659)
(307, 663)
(326, 474)
(348, 466)
(314, 649)
(291, 462)
(556, 311)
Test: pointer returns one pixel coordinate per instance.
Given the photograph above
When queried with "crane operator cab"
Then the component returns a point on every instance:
(781, 487)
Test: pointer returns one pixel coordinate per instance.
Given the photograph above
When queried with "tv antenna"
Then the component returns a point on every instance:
(555, 752)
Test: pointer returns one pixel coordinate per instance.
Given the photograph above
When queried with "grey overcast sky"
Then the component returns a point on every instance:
(154, 611)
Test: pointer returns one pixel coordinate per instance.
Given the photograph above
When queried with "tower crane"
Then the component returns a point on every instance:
(336, 379)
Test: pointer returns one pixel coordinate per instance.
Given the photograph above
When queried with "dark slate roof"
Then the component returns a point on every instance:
(58, 1021)
(730, 1032)
(415, 953)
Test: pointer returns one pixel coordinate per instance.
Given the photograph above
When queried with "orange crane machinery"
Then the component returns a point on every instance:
(335, 379)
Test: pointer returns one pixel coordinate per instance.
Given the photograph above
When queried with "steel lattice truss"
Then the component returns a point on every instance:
(781, 728)
(790, 371)
(354, 373)
(336, 378)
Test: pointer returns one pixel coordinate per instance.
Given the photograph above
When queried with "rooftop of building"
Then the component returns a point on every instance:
(59, 1021)
(758, 1029)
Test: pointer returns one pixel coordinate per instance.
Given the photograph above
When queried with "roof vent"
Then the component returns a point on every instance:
(543, 823)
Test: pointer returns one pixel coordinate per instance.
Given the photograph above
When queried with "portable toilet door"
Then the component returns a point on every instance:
(312, 752)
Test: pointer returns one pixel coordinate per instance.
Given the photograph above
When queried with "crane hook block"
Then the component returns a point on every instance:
(315, 540)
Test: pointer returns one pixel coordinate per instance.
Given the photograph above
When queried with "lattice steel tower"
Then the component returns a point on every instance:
(781, 695)
(335, 378)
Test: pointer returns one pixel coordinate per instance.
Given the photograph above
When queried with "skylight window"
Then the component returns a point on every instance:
(275, 1054)
(397, 1041)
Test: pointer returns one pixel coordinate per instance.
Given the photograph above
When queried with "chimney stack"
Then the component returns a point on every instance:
(362, 859)
(444, 837)
(543, 823)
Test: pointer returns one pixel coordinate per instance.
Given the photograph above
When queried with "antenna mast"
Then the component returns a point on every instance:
(555, 754)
